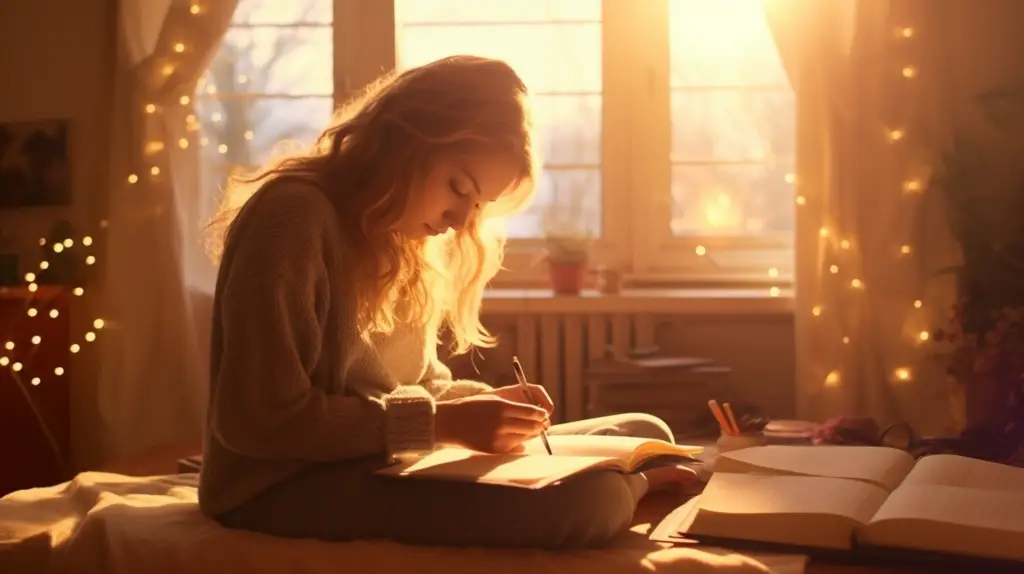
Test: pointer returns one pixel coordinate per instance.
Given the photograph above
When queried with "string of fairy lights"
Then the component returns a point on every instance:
(12, 358)
(35, 305)
(832, 237)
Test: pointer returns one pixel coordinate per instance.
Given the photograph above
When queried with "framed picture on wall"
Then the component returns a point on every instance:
(35, 169)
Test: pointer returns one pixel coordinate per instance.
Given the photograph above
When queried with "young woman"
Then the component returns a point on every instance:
(336, 272)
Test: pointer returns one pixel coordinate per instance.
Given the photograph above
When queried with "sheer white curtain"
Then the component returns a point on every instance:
(152, 383)
(866, 76)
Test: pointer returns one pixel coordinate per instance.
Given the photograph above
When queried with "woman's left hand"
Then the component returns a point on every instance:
(515, 393)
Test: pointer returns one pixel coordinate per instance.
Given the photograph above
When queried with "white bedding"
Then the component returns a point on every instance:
(100, 522)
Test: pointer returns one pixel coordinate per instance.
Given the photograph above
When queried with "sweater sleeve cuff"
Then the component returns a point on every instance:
(409, 420)
(450, 390)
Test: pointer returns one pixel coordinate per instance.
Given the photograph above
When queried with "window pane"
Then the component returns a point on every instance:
(549, 57)
(733, 122)
(568, 201)
(732, 199)
(569, 129)
(478, 11)
(733, 125)
(555, 45)
(722, 43)
(245, 130)
(273, 60)
(254, 12)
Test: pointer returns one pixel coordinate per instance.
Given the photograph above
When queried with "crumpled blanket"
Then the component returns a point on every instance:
(101, 522)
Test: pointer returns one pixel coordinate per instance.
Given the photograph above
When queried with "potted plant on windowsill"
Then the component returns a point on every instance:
(567, 241)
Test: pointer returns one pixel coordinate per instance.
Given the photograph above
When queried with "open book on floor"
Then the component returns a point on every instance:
(869, 499)
(535, 468)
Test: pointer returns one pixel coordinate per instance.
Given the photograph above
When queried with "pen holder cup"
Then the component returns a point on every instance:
(726, 443)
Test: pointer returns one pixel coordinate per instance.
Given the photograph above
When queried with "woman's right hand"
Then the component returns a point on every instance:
(487, 423)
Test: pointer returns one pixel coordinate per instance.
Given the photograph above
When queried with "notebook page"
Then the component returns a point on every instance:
(952, 470)
(740, 494)
(586, 445)
(882, 466)
(510, 470)
(950, 519)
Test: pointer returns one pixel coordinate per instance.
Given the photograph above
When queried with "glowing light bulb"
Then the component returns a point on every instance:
(907, 32)
(58, 247)
(918, 304)
(36, 381)
(150, 108)
(58, 371)
(133, 178)
(78, 291)
(179, 47)
(155, 170)
(924, 335)
(74, 348)
(4, 361)
(895, 135)
(68, 243)
(832, 379)
(774, 292)
(32, 312)
(790, 178)
(90, 260)
(194, 9)
(16, 367)
(833, 269)
(844, 244)
(773, 272)
(856, 283)
(801, 200)
(902, 374)
(44, 265)
(909, 72)
(184, 100)
(846, 340)
(30, 277)
(98, 323)
(912, 186)
(816, 311)
(183, 143)
(54, 313)
(700, 250)
(32, 287)
(36, 339)
(9, 345)
(90, 336)
(87, 241)
(905, 249)
(823, 232)
(216, 116)
(222, 148)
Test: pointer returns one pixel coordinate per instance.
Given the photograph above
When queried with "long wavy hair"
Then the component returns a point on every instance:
(377, 148)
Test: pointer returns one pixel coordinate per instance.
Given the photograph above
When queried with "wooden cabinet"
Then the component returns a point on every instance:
(35, 378)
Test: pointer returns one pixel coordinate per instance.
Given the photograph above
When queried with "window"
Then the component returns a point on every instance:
(667, 127)
(270, 85)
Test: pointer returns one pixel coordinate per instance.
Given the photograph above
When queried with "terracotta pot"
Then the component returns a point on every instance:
(567, 278)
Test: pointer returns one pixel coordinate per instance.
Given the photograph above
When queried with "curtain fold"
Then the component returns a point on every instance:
(859, 69)
(152, 382)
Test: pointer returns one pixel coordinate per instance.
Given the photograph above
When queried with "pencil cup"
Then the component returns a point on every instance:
(728, 442)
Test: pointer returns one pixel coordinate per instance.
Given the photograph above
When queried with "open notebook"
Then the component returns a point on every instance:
(535, 468)
(847, 497)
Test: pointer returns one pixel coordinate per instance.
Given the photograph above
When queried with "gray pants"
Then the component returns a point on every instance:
(346, 501)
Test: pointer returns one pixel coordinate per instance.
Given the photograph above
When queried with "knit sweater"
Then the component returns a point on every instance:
(292, 382)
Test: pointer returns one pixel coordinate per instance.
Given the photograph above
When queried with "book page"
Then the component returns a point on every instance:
(939, 518)
(520, 470)
(882, 466)
(631, 451)
(952, 470)
(796, 510)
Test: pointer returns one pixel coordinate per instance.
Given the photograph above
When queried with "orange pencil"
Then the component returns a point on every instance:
(732, 419)
(720, 417)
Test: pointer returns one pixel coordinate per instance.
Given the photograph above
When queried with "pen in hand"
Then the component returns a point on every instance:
(521, 378)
